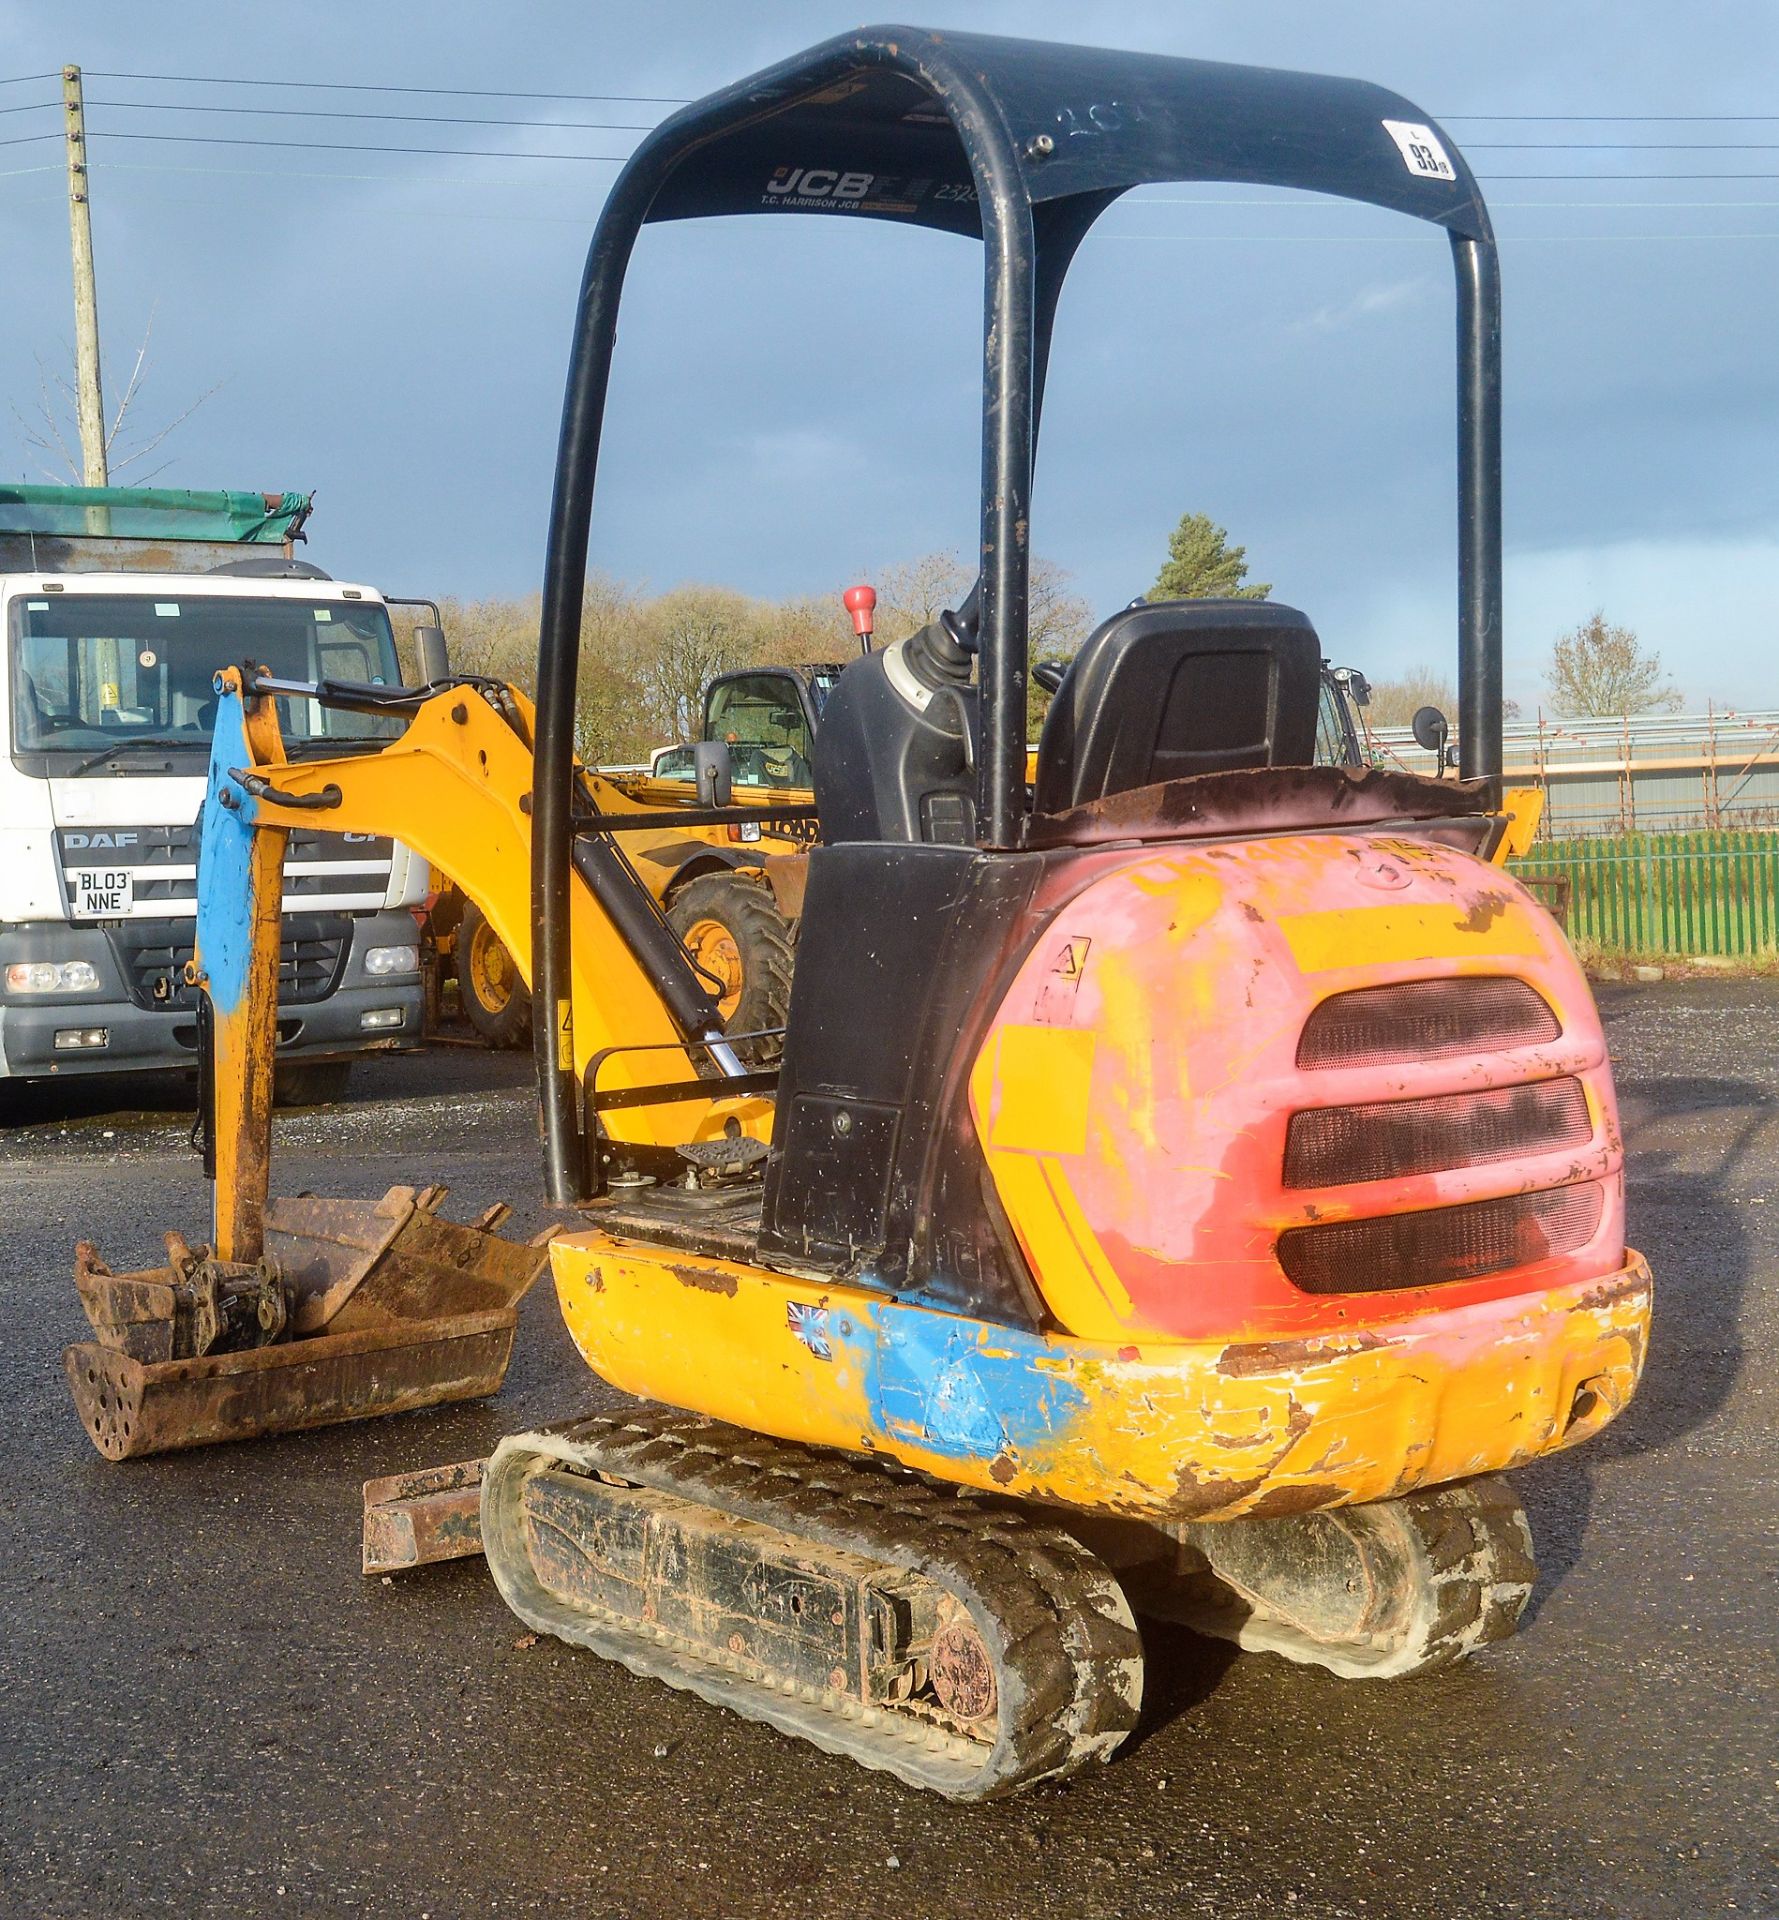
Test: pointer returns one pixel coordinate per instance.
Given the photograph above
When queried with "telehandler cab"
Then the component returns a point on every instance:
(1184, 1193)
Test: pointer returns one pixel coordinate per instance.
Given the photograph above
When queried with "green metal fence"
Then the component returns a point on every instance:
(1711, 892)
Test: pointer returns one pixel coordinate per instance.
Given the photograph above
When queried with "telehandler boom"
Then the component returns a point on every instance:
(1184, 1191)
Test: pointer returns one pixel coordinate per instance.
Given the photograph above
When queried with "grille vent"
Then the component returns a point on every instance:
(1341, 1146)
(1425, 1020)
(1440, 1245)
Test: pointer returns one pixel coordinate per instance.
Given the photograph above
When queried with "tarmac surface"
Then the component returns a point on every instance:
(205, 1710)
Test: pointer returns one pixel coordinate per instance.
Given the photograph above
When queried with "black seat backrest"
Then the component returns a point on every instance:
(1178, 687)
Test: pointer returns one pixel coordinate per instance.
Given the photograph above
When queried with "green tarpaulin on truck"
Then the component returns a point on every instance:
(154, 513)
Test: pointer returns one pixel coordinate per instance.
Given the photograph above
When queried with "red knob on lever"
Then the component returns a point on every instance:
(861, 603)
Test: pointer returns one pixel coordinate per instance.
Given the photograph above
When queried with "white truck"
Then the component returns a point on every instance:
(118, 605)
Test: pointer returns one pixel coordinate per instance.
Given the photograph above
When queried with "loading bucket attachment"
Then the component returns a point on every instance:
(357, 1308)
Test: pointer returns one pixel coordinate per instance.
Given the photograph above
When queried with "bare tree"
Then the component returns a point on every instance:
(1058, 621)
(915, 593)
(1394, 703)
(51, 428)
(687, 636)
(1603, 669)
(645, 660)
(813, 628)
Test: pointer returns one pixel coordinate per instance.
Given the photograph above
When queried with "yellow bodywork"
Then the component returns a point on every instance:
(455, 788)
(1201, 1429)
(1524, 807)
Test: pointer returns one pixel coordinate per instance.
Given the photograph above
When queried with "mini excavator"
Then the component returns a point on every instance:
(1187, 1183)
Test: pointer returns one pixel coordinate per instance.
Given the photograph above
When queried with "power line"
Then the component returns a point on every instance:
(505, 153)
(363, 86)
(1621, 146)
(1496, 177)
(31, 106)
(1617, 119)
(1310, 203)
(1319, 203)
(346, 113)
(333, 146)
(25, 139)
(631, 126)
(680, 100)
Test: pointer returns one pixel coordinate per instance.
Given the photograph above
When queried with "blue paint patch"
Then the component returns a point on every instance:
(225, 849)
(961, 1388)
(810, 1325)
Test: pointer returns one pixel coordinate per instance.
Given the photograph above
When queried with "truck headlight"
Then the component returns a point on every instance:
(380, 961)
(52, 976)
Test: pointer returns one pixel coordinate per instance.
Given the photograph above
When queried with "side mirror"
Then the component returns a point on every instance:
(1432, 731)
(430, 654)
(1048, 674)
(713, 769)
(1359, 687)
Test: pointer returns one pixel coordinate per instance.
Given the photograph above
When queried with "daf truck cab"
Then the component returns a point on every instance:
(118, 606)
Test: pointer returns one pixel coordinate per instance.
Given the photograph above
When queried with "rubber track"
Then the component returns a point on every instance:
(1470, 1551)
(1067, 1657)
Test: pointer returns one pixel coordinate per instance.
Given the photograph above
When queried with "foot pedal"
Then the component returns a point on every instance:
(734, 1155)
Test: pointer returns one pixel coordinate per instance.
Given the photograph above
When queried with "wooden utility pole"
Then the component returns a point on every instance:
(89, 398)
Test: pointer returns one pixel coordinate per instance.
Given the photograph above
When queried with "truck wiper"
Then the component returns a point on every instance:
(138, 743)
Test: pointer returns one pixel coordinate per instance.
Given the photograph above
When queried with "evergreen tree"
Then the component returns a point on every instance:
(1202, 565)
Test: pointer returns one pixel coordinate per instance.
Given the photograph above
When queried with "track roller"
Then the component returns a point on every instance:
(963, 1648)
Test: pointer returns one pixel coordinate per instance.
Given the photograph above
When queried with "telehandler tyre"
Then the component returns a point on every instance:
(311, 1083)
(742, 947)
(496, 1002)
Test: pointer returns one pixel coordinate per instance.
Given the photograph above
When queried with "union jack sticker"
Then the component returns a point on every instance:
(810, 1325)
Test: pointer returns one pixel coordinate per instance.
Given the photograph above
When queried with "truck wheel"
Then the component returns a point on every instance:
(741, 944)
(311, 1083)
(495, 1000)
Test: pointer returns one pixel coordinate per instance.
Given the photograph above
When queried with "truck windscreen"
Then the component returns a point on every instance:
(92, 672)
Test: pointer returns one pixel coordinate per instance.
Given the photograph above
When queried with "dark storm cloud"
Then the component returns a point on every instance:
(796, 403)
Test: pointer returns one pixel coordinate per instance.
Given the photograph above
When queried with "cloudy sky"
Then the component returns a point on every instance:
(796, 404)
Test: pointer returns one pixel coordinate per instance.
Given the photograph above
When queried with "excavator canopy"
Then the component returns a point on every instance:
(892, 122)
(1022, 144)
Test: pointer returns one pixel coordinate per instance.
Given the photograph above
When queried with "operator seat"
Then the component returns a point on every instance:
(1170, 688)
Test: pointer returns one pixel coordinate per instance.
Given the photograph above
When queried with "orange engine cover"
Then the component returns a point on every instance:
(1282, 1086)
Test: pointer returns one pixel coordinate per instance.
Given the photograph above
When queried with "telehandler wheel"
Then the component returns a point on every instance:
(311, 1083)
(496, 1002)
(742, 946)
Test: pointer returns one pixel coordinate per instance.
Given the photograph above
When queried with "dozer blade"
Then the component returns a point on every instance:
(413, 1519)
(359, 1308)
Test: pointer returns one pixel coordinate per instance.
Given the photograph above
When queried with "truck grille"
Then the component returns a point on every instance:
(311, 958)
(1425, 1020)
(1389, 1139)
(342, 871)
(1441, 1244)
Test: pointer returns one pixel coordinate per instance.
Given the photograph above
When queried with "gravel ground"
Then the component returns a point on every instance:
(207, 1711)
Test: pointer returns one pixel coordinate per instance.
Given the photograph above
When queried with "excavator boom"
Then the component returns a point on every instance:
(305, 1312)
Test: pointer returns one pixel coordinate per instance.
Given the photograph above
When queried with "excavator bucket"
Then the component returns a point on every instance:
(356, 1308)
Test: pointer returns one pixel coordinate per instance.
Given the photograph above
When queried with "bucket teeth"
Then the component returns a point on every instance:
(357, 1308)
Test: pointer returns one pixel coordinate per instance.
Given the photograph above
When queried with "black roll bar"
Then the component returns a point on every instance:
(1034, 141)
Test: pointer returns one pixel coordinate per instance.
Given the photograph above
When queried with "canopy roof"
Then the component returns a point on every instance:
(864, 124)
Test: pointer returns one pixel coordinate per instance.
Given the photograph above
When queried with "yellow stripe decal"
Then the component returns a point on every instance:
(1383, 936)
(1043, 1077)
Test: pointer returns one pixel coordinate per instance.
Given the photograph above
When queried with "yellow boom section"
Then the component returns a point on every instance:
(455, 788)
